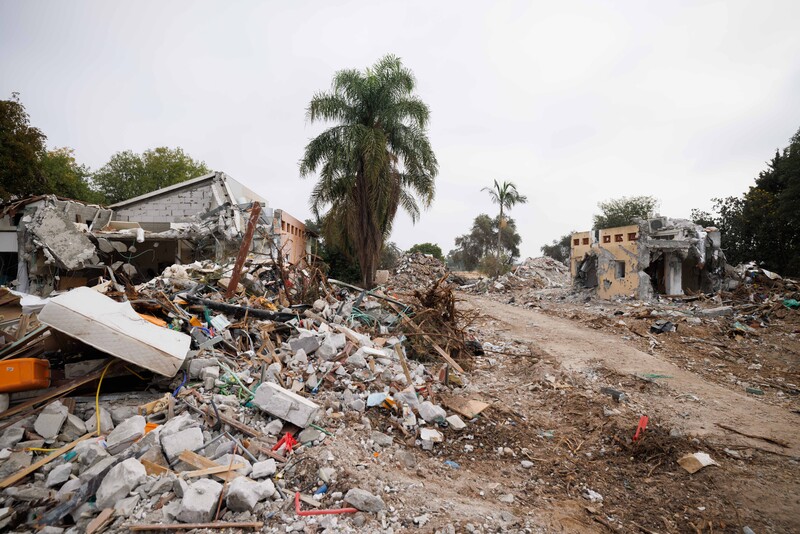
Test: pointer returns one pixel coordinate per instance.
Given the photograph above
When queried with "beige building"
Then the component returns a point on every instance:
(658, 256)
(294, 242)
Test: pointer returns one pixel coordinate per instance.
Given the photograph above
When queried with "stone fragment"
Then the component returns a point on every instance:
(49, 422)
(274, 427)
(285, 404)
(176, 424)
(196, 366)
(126, 506)
(106, 421)
(225, 460)
(364, 500)
(11, 437)
(69, 487)
(189, 439)
(162, 484)
(90, 453)
(200, 501)
(243, 494)
(73, 428)
(526, 464)
(308, 343)
(264, 469)
(381, 439)
(97, 468)
(58, 475)
(119, 482)
(309, 434)
(125, 434)
(357, 360)
(179, 487)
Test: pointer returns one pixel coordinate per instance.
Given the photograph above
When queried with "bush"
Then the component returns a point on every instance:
(492, 266)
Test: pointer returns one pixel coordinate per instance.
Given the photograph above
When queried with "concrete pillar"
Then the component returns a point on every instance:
(673, 265)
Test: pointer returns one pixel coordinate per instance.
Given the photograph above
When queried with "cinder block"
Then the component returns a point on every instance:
(286, 405)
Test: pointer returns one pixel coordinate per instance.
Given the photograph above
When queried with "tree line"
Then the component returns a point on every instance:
(28, 167)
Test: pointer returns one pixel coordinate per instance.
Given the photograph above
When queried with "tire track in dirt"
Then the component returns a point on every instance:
(577, 348)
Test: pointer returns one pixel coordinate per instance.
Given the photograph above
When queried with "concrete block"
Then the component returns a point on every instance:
(228, 459)
(243, 494)
(119, 482)
(125, 434)
(69, 488)
(11, 437)
(49, 422)
(431, 412)
(97, 468)
(106, 421)
(89, 453)
(307, 343)
(200, 501)
(177, 424)
(125, 507)
(286, 405)
(175, 444)
(364, 500)
(73, 428)
(264, 469)
(196, 366)
(58, 475)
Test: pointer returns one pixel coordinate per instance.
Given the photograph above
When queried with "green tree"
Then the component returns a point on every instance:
(428, 248)
(506, 196)
(623, 211)
(21, 149)
(390, 254)
(559, 249)
(482, 239)
(65, 177)
(373, 160)
(127, 175)
(763, 225)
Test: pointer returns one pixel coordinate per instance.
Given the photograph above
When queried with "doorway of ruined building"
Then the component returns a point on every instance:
(657, 273)
(587, 272)
(691, 276)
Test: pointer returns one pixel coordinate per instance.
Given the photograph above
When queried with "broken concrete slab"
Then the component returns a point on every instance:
(106, 421)
(230, 459)
(73, 428)
(49, 422)
(126, 506)
(364, 500)
(125, 434)
(11, 437)
(115, 328)
(200, 501)
(190, 439)
(264, 469)
(456, 423)
(119, 482)
(243, 494)
(308, 343)
(58, 475)
(285, 404)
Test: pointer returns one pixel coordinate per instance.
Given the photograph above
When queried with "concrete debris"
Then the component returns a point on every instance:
(119, 482)
(49, 422)
(285, 404)
(174, 444)
(199, 502)
(364, 500)
(125, 434)
(58, 475)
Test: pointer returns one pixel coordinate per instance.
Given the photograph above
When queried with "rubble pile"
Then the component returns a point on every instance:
(417, 270)
(178, 407)
(532, 274)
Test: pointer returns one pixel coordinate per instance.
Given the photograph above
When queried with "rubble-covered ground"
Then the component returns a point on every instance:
(535, 435)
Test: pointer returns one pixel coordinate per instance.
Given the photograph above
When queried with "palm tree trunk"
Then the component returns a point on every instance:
(500, 232)
(367, 244)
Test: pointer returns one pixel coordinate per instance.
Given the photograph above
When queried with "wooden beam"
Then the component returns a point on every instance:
(244, 249)
(16, 477)
(190, 526)
(211, 471)
(201, 462)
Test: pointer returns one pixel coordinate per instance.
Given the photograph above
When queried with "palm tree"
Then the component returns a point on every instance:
(507, 196)
(373, 160)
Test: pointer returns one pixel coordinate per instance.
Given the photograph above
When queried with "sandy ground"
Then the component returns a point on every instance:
(547, 409)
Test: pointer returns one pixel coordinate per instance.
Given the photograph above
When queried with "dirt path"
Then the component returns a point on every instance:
(577, 348)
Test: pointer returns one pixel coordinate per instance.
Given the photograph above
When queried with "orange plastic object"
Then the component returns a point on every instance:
(24, 374)
(152, 319)
(149, 426)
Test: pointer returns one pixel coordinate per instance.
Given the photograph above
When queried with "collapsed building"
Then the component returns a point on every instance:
(656, 256)
(51, 244)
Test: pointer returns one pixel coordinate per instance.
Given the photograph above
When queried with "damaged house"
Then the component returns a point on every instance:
(49, 243)
(657, 256)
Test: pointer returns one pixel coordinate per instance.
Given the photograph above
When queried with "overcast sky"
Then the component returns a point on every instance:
(575, 102)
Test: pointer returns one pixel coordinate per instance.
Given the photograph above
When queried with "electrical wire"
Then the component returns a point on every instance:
(97, 396)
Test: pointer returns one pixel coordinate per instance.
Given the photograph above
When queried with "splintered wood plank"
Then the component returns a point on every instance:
(201, 462)
(16, 477)
(211, 471)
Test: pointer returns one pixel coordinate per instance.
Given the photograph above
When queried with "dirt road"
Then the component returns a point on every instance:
(576, 348)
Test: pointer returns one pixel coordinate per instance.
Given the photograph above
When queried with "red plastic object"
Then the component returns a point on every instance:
(319, 512)
(641, 428)
(287, 440)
